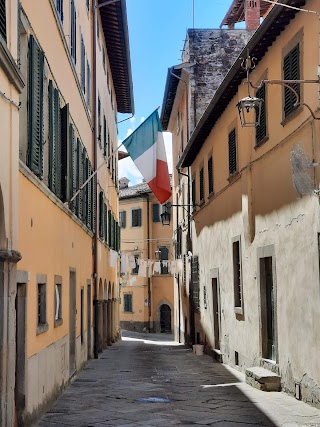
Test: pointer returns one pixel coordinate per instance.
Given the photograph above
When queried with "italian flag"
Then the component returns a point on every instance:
(146, 148)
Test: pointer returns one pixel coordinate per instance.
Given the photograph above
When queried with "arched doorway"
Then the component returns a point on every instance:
(165, 318)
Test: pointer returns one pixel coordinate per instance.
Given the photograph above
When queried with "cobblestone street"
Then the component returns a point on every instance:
(144, 381)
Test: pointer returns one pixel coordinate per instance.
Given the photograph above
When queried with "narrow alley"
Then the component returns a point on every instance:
(144, 380)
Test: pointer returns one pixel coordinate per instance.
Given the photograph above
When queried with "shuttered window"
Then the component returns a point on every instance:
(261, 130)
(72, 168)
(108, 149)
(99, 121)
(88, 195)
(106, 224)
(73, 31)
(136, 218)
(83, 65)
(109, 235)
(94, 203)
(156, 212)
(35, 107)
(195, 281)
(127, 303)
(79, 179)
(59, 4)
(164, 256)
(54, 141)
(193, 191)
(232, 152)
(123, 219)
(101, 215)
(85, 188)
(136, 269)
(104, 136)
(88, 86)
(66, 156)
(291, 71)
(237, 281)
(3, 20)
(201, 185)
(210, 175)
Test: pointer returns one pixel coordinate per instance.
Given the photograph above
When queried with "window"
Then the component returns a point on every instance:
(164, 256)
(104, 60)
(101, 215)
(58, 301)
(82, 315)
(127, 303)
(195, 281)
(193, 191)
(210, 175)
(136, 269)
(156, 212)
(237, 275)
(35, 111)
(123, 219)
(179, 243)
(54, 141)
(136, 218)
(88, 4)
(3, 20)
(201, 184)
(88, 85)
(59, 9)
(291, 71)
(73, 32)
(104, 136)
(261, 130)
(83, 65)
(232, 152)
(42, 304)
(99, 121)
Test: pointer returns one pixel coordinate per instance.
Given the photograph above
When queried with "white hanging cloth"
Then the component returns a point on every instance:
(113, 256)
(142, 272)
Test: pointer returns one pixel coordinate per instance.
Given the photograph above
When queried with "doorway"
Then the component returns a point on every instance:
(216, 306)
(268, 321)
(165, 318)
(20, 349)
(72, 322)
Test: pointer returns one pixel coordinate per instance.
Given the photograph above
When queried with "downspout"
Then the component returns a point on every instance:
(95, 160)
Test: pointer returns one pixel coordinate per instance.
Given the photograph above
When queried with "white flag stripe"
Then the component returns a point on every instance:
(147, 163)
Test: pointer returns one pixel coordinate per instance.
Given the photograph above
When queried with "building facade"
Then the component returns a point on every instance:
(255, 231)
(65, 69)
(146, 297)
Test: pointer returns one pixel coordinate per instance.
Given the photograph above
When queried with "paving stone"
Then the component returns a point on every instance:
(131, 370)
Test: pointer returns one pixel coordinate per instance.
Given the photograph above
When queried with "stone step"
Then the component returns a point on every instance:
(263, 379)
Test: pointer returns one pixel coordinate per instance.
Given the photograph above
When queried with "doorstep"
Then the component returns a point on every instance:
(263, 379)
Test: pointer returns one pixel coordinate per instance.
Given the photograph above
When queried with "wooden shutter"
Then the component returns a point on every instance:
(261, 130)
(88, 85)
(54, 141)
(3, 20)
(109, 228)
(99, 121)
(83, 66)
(72, 168)
(193, 191)
(109, 162)
(156, 212)
(66, 155)
(94, 203)
(85, 189)
(89, 195)
(101, 215)
(104, 136)
(195, 281)
(35, 107)
(73, 37)
(60, 9)
(106, 223)
(210, 175)
(291, 71)
(232, 152)
(201, 183)
(80, 177)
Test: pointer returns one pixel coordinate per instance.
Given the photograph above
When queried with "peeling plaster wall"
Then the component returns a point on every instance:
(213, 52)
(293, 232)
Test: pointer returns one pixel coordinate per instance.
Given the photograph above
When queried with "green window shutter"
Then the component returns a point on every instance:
(201, 183)
(156, 212)
(66, 155)
(83, 65)
(109, 228)
(3, 20)
(101, 215)
(58, 142)
(85, 189)
(261, 130)
(35, 107)
(89, 195)
(105, 223)
(291, 71)
(52, 140)
(104, 136)
(232, 152)
(73, 32)
(72, 168)
(94, 202)
(88, 86)
(80, 177)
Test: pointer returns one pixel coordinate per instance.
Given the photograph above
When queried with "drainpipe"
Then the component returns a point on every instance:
(95, 160)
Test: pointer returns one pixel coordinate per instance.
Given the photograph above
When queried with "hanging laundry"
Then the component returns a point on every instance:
(142, 272)
(132, 262)
(113, 256)
(156, 267)
(150, 265)
(179, 264)
(124, 263)
(173, 269)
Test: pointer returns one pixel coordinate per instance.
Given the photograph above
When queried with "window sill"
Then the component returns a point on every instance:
(43, 327)
(233, 177)
(292, 115)
(128, 312)
(58, 322)
(211, 195)
(201, 203)
(238, 310)
(261, 143)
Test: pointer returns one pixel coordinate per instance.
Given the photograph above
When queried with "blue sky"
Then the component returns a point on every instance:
(157, 29)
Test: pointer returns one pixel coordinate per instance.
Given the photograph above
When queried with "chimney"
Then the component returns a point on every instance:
(252, 14)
